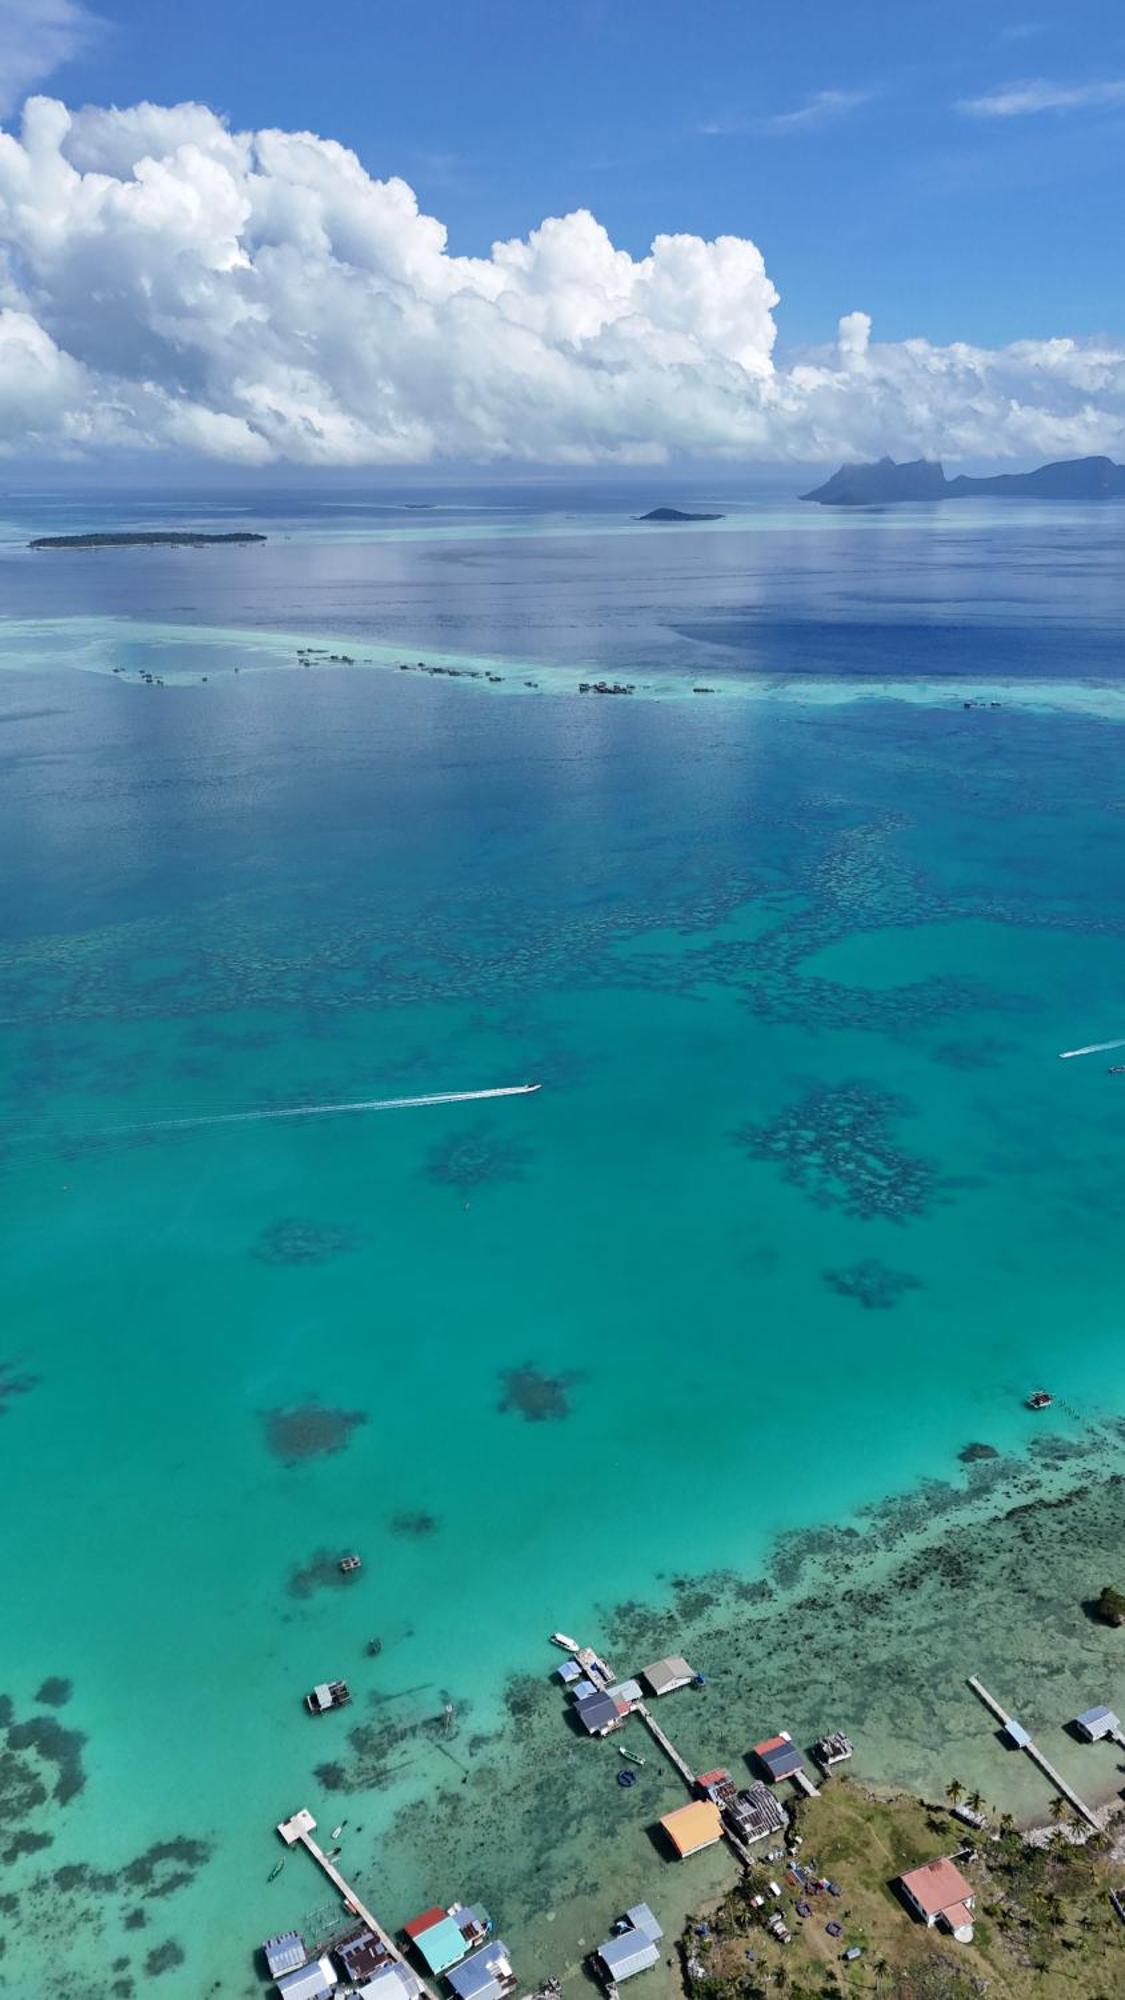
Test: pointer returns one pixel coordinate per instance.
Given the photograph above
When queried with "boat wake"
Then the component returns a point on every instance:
(1092, 1049)
(198, 1123)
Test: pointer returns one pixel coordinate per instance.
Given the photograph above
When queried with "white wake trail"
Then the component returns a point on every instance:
(330, 1110)
(1092, 1049)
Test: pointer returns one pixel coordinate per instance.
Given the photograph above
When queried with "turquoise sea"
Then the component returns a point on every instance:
(717, 1343)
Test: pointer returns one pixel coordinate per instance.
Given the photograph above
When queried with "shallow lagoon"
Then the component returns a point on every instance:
(805, 1206)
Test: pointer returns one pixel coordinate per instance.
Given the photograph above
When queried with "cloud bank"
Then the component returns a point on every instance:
(166, 283)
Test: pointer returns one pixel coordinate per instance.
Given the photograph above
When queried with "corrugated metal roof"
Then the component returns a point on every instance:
(483, 1976)
(665, 1675)
(642, 1919)
(310, 1983)
(782, 1762)
(629, 1952)
(425, 1921)
(442, 1944)
(597, 1710)
(627, 1691)
(691, 1827)
(391, 1982)
(284, 1953)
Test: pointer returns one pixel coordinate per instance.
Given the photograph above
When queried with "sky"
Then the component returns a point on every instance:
(885, 225)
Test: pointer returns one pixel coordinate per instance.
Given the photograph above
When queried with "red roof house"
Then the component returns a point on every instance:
(939, 1894)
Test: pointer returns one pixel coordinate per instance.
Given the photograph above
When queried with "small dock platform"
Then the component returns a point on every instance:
(1018, 1736)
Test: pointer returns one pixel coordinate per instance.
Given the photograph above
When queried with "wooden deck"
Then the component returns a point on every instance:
(1036, 1755)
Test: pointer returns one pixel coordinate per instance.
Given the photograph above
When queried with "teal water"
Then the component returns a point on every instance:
(675, 1350)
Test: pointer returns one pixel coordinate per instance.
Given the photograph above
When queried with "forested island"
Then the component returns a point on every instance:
(176, 538)
(884, 481)
(676, 514)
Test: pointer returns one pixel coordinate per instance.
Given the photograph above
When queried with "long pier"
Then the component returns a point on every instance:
(299, 1830)
(666, 1744)
(1035, 1753)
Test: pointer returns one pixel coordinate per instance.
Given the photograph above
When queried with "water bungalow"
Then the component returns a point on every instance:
(692, 1828)
(286, 1953)
(938, 1893)
(599, 1714)
(834, 1748)
(361, 1954)
(391, 1982)
(1095, 1724)
(443, 1937)
(487, 1975)
(634, 1946)
(780, 1758)
(309, 1982)
(665, 1676)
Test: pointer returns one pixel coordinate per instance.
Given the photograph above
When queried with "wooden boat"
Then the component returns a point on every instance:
(1039, 1400)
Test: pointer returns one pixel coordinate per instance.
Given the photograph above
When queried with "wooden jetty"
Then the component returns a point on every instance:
(666, 1744)
(1019, 1736)
(299, 1830)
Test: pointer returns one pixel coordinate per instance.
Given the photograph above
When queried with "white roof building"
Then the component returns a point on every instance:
(311, 1982)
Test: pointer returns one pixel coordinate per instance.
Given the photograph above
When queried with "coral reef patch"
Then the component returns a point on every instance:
(476, 1157)
(835, 1144)
(538, 1398)
(414, 1526)
(307, 1430)
(873, 1285)
(297, 1241)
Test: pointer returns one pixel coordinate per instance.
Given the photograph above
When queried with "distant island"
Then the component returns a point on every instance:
(885, 481)
(674, 514)
(185, 538)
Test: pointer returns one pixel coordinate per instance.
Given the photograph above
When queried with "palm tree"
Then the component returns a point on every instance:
(954, 1791)
(1058, 1808)
(975, 1802)
(1007, 1823)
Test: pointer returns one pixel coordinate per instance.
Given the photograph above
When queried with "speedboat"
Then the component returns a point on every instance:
(568, 1645)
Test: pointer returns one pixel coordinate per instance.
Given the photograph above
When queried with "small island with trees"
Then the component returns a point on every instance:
(174, 538)
(676, 514)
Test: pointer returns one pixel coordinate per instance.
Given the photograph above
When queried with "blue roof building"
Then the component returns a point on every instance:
(487, 1975)
(442, 1944)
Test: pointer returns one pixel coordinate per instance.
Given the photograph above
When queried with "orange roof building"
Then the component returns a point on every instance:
(939, 1894)
(693, 1827)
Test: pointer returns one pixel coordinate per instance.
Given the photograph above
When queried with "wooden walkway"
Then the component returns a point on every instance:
(299, 1830)
(1036, 1755)
(666, 1744)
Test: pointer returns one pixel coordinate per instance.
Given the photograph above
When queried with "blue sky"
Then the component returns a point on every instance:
(830, 134)
(732, 230)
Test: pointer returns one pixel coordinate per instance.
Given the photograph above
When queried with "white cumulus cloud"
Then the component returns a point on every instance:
(167, 283)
